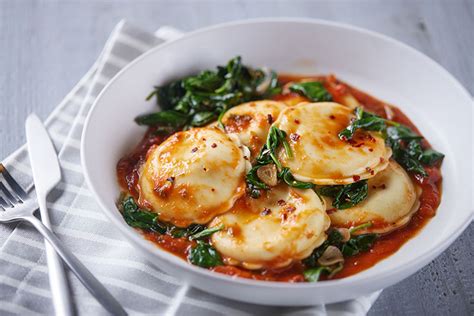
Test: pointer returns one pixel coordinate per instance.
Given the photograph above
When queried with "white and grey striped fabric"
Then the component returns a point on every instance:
(78, 221)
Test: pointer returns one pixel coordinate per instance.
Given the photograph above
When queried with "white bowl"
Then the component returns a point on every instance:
(381, 66)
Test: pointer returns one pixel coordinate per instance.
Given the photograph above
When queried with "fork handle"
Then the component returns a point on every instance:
(82, 273)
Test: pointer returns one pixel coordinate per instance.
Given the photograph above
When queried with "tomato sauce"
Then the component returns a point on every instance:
(128, 169)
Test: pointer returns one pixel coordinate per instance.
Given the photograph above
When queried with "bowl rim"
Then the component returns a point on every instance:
(426, 255)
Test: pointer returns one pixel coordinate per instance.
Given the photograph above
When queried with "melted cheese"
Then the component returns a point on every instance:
(392, 200)
(283, 225)
(319, 155)
(251, 122)
(193, 176)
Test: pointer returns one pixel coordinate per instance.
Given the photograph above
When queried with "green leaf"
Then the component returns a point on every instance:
(179, 232)
(431, 156)
(149, 221)
(409, 157)
(268, 155)
(346, 196)
(206, 96)
(358, 244)
(313, 274)
(351, 195)
(363, 120)
(204, 255)
(402, 132)
(206, 232)
(169, 95)
(254, 184)
(361, 226)
(138, 218)
(314, 91)
(405, 143)
(288, 178)
(163, 118)
(202, 118)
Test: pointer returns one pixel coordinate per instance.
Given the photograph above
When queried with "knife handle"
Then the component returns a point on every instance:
(58, 282)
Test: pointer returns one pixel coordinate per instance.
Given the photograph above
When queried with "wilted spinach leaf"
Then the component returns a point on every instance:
(138, 218)
(288, 178)
(202, 98)
(346, 196)
(431, 156)
(149, 221)
(204, 255)
(268, 155)
(405, 143)
(205, 233)
(363, 120)
(314, 91)
(358, 244)
(313, 274)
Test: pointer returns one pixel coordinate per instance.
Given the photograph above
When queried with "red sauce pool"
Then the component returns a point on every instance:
(128, 167)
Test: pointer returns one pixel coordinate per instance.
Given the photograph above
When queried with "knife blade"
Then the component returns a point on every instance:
(46, 175)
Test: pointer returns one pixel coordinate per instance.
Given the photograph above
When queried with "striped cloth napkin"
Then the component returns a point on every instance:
(78, 221)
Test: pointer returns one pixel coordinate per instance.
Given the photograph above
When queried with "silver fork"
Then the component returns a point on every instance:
(22, 208)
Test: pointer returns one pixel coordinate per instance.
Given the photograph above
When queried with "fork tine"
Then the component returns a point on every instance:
(4, 203)
(8, 196)
(12, 183)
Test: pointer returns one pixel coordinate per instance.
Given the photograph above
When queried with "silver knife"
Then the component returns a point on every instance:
(46, 175)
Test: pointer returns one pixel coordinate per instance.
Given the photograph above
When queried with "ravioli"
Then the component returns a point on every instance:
(193, 176)
(251, 122)
(283, 225)
(319, 156)
(392, 200)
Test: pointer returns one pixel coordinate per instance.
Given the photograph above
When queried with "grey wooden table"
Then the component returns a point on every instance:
(46, 46)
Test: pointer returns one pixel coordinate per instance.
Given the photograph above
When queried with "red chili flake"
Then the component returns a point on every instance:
(281, 202)
(382, 159)
(269, 118)
(371, 149)
(297, 121)
(213, 190)
(343, 138)
(331, 210)
(374, 187)
(332, 117)
(284, 216)
(372, 172)
(290, 208)
(383, 186)
(194, 149)
(205, 169)
(266, 211)
(214, 145)
(204, 138)
(246, 158)
(295, 137)
(356, 178)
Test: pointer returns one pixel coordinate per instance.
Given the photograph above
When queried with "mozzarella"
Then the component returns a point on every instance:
(319, 156)
(193, 176)
(283, 225)
(251, 122)
(392, 200)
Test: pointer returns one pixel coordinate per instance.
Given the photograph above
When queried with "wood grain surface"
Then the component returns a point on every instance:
(46, 47)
